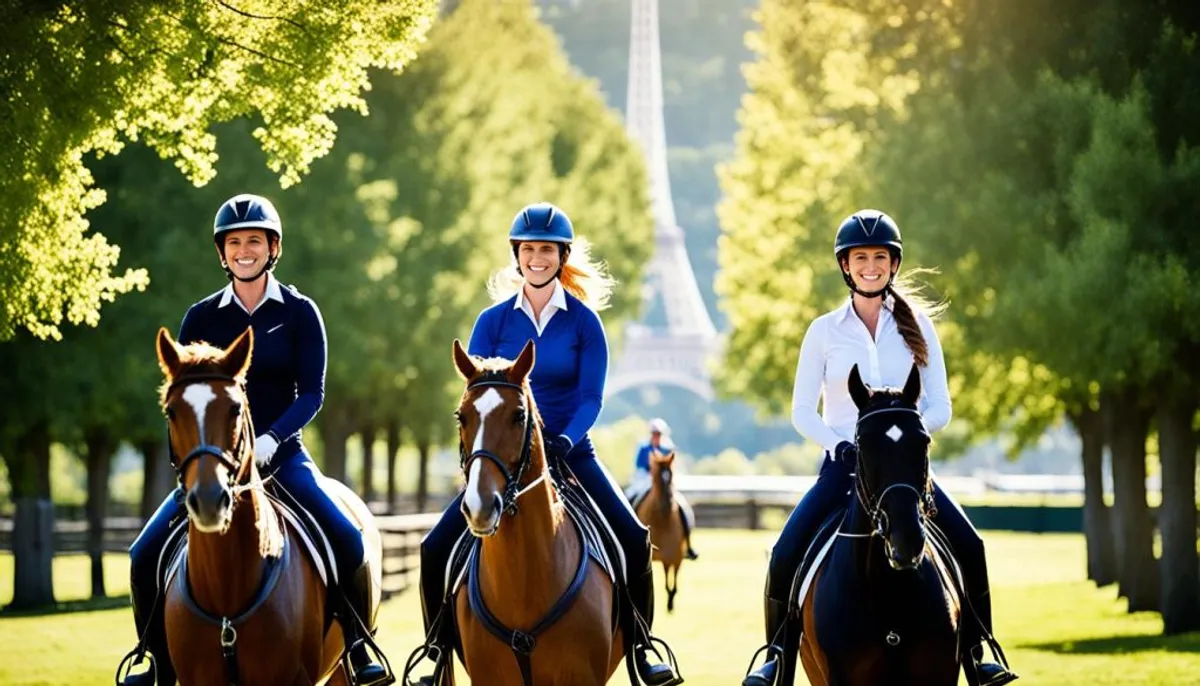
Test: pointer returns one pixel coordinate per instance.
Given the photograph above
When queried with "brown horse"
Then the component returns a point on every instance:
(530, 570)
(659, 511)
(885, 605)
(247, 605)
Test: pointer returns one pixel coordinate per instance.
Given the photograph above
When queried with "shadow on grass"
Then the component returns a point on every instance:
(1184, 643)
(67, 606)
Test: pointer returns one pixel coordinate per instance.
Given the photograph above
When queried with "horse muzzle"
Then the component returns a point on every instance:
(210, 507)
(483, 518)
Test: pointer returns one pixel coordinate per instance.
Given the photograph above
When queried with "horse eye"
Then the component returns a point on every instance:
(169, 412)
(458, 417)
(235, 410)
(519, 417)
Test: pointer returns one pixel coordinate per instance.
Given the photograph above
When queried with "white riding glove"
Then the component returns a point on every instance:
(264, 447)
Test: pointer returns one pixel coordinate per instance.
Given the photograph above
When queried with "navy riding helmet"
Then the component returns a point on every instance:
(867, 228)
(542, 221)
(247, 211)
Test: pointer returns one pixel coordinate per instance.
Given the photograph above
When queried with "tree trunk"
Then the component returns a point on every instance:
(423, 473)
(393, 456)
(158, 478)
(334, 433)
(1179, 567)
(99, 446)
(1129, 423)
(33, 526)
(367, 434)
(1097, 524)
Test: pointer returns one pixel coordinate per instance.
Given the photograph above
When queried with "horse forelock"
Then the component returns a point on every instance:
(194, 359)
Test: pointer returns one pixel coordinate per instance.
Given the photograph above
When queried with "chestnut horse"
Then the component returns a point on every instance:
(531, 568)
(659, 511)
(885, 605)
(247, 604)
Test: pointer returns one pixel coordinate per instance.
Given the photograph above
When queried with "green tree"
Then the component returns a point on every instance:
(87, 77)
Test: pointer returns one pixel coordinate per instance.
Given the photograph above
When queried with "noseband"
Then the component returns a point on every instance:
(233, 466)
(512, 481)
(874, 506)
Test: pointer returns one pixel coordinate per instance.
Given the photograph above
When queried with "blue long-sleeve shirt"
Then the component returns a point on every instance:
(285, 384)
(571, 365)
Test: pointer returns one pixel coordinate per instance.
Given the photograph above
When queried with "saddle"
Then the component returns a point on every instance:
(292, 515)
(828, 533)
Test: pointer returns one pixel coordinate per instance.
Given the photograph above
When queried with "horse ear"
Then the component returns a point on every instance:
(669, 458)
(237, 355)
(168, 353)
(912, 387)
(466, 366)
(858, 390)
(523, 365)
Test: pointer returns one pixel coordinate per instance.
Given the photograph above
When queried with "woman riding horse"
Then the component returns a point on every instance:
(639, 485)
(555, 306)
(286, 387)
(883, 329)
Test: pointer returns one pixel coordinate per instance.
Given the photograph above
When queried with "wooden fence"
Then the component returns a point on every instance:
(401, 542)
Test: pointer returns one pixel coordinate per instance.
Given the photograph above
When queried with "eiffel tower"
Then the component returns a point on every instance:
(676, 353)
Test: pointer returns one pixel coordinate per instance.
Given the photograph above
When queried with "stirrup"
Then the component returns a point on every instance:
(773, 654)
(132, 659)
(435, 653)
(380, 660)
(1006, 676)
(670, 661)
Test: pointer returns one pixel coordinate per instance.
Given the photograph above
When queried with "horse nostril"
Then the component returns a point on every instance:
(225, 500)
(193, 502)
(497, 502)
(462, 506)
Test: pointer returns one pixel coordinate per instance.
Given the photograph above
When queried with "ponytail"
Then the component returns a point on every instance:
(907, 301)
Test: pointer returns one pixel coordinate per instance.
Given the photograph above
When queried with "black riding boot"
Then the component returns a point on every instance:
(783, 642)
(150, 623)
(359, 614)
(641, 593)
(987, 673)
(439, 627)
(687, 536)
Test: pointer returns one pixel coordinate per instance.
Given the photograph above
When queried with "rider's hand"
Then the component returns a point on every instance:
(558, 447)
(264, 447)
(847, 454)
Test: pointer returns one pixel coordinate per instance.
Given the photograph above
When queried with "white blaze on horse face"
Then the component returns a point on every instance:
(484, 405)
(199, 395)
(895, 433)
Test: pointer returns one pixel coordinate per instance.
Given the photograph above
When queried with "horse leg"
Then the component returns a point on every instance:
(671, 579)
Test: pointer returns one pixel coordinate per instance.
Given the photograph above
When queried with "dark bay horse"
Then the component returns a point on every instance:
(247, 604)
(538, 597)
(659, 511)
(884, 606)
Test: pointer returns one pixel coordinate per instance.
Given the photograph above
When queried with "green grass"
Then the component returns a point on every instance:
(1057, 628)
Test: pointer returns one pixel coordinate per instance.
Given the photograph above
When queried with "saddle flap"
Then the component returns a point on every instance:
(817, 551)
(305, 527)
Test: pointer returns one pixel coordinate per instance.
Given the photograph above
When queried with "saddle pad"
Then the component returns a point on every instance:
(305, 526)
(815, 555)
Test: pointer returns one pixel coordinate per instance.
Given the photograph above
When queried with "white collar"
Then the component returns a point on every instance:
(274, 292)
(847, 309)
(558, 298)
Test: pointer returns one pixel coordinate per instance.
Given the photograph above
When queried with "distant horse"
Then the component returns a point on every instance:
(659, 511)
(247, 604)
(530, 570)
(885, 604)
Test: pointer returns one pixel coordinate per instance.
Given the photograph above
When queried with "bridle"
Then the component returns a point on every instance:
(512, 481)
(233, 466)
(874, 505)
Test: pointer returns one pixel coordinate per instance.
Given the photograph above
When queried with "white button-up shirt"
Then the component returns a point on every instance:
(838, 340)
(558, 301)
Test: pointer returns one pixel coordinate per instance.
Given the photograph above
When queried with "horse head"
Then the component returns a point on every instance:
(893, 483)
(498, 446)
(208, 420)
(662, 476)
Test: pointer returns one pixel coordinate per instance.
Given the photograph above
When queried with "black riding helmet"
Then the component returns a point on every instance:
(248, 211)
(867, 228)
